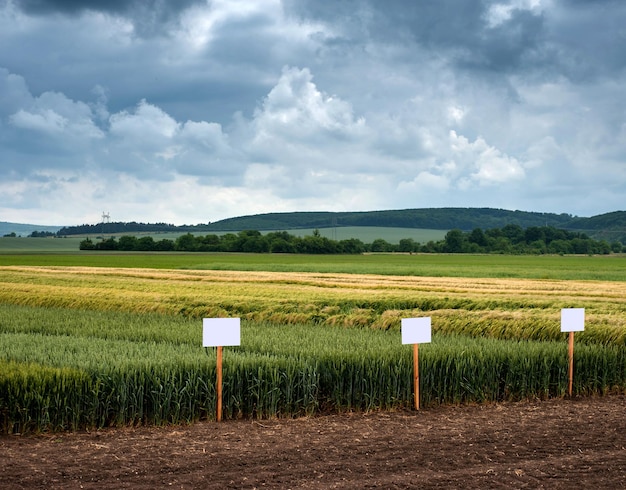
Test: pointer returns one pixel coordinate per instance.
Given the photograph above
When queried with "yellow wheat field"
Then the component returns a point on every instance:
(495, 307)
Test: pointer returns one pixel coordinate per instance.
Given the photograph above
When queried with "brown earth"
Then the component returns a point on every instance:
(567, 443)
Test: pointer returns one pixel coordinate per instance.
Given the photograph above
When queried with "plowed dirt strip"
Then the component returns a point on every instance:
(578, 443)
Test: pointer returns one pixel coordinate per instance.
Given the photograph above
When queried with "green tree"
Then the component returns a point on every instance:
(86, 244)
(164, 245)
(186, 243)
(108, 244)
(256, 244)
(560, 247)
(502, 244)
(316, 244)
(381, 245)
(514, 233)
(535, 234)
(279, 245)
(127, 243)
(145, 244)
(209, 243)
(229, 242)
(455, 242)
(432, 247)
(581, 246)
(478, 237)
(407, 245)
(351, 246)
(251, 241)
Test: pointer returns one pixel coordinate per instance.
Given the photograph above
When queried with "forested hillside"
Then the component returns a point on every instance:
(610, 226)
(433, 218)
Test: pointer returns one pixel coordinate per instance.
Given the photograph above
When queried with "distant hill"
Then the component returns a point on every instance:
(20, 229)
(609, 226)
(465, 219)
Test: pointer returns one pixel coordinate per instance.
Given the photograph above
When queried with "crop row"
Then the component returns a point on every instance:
(108, 369)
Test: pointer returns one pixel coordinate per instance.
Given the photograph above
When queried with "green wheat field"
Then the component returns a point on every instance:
(104, 340)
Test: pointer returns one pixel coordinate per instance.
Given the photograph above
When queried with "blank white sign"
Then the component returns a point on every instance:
(572, 319)
(218, 332)
(416, 330)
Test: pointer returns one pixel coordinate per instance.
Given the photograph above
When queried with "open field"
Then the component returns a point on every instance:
(38, 245)
(96, 341)
(570, 267)
(368, 234)
(121, 345)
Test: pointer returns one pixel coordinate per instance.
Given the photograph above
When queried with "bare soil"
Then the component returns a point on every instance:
(554, 444)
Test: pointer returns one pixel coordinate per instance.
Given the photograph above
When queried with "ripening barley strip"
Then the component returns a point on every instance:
(607, 329)
(337, 299)
(268, 285)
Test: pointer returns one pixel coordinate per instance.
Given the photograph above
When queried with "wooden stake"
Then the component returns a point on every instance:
(416, 376)
(571, 362)
(219, 383)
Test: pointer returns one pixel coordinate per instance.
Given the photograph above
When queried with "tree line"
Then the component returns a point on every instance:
(251, 241)
(511, 239)
(514, 239)
(123, 227)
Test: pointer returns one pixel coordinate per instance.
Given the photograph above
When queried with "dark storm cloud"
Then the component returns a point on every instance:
(146, 15)
(71, 6)
(590, 37)
(163, 7)
(460, 29)
(576, 38)
(445, 22)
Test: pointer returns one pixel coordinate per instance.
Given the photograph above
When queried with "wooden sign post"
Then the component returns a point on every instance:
(416, 331)
(572, 320)
(219, 332)
(218, 386)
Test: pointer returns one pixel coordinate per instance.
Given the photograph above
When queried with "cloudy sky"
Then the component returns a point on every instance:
(193, 111)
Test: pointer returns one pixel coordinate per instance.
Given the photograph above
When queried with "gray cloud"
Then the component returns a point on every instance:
(580, 37)
(460, 29)
(240, 106)
(149, 17)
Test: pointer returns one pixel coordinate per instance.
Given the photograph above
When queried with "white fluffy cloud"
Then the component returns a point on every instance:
(484, 164)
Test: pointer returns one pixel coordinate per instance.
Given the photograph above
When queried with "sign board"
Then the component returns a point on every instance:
(572, 319)
(218, 332)
(416, 330)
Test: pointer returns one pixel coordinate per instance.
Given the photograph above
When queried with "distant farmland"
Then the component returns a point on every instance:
(366, 234)
(38, 245)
